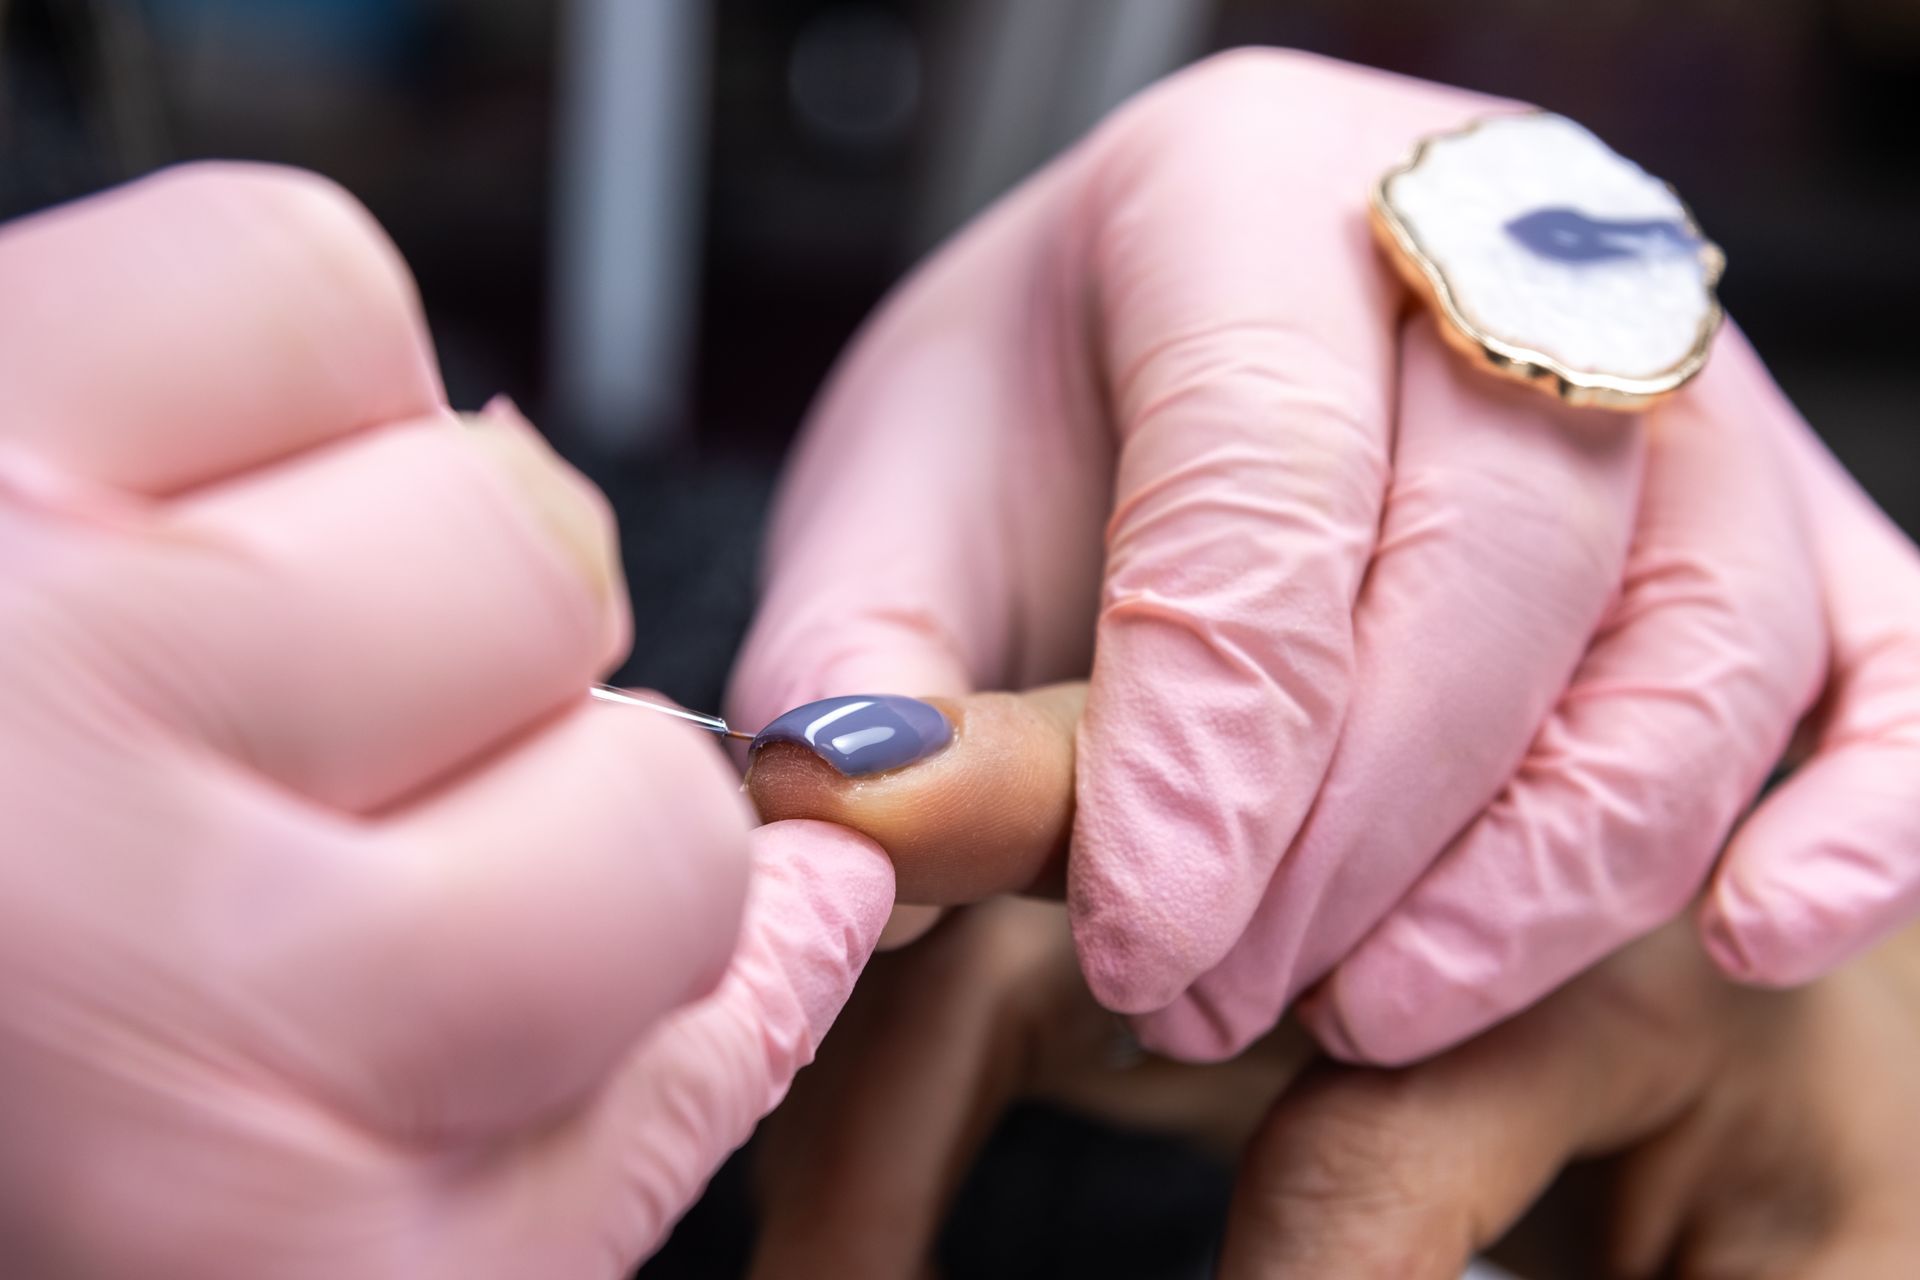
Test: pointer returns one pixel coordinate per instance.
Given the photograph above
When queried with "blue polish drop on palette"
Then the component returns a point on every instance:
(863, 734)
(1567, 235)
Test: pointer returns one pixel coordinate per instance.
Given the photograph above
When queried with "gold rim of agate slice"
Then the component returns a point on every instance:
(1512, 359)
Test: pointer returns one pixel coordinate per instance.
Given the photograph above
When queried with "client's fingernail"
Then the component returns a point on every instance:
(862, 735)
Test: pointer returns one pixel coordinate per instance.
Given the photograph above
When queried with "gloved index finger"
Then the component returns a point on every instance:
(1250, 329)
(202, 322)
(1502, 545)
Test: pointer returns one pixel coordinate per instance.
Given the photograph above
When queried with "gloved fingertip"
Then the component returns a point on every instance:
(908, 924)
(1119, 975)
(1783, 941)
(1321, 1013)
(820, 895)
(825, 894)
(1138, 949)
(1388, 1009)
(1723, 944)
(1192, 1030)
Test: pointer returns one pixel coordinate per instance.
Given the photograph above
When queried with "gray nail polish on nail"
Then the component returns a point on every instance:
(862, 735)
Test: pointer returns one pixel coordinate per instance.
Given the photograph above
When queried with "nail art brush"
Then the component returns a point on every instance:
(711, 723)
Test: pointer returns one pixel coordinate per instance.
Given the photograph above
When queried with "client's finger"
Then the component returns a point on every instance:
(860, 1164)
(971, 797)
(1405, 1174)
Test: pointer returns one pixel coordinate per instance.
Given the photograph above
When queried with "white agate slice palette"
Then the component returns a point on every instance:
(1554, 260)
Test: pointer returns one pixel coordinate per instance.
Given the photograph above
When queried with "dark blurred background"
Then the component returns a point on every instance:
(655, 222)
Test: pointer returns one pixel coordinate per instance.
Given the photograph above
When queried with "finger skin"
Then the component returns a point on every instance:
(1672, 723)
(1804, 1167)
(989, 814)
(1504, 539)
(178, 286)
(1830, 863)
(1764, 1133)
(361, 619)
(860, 1165)
(1407, 1173)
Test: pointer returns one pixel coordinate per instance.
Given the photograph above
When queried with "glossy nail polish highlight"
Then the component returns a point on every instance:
(864, 734)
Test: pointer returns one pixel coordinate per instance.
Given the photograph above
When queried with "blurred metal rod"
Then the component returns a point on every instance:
(706, 720)
(1030, 76)
(629, 192)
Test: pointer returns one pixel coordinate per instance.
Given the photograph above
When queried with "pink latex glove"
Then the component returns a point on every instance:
(1399, 674)
(340, 935)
